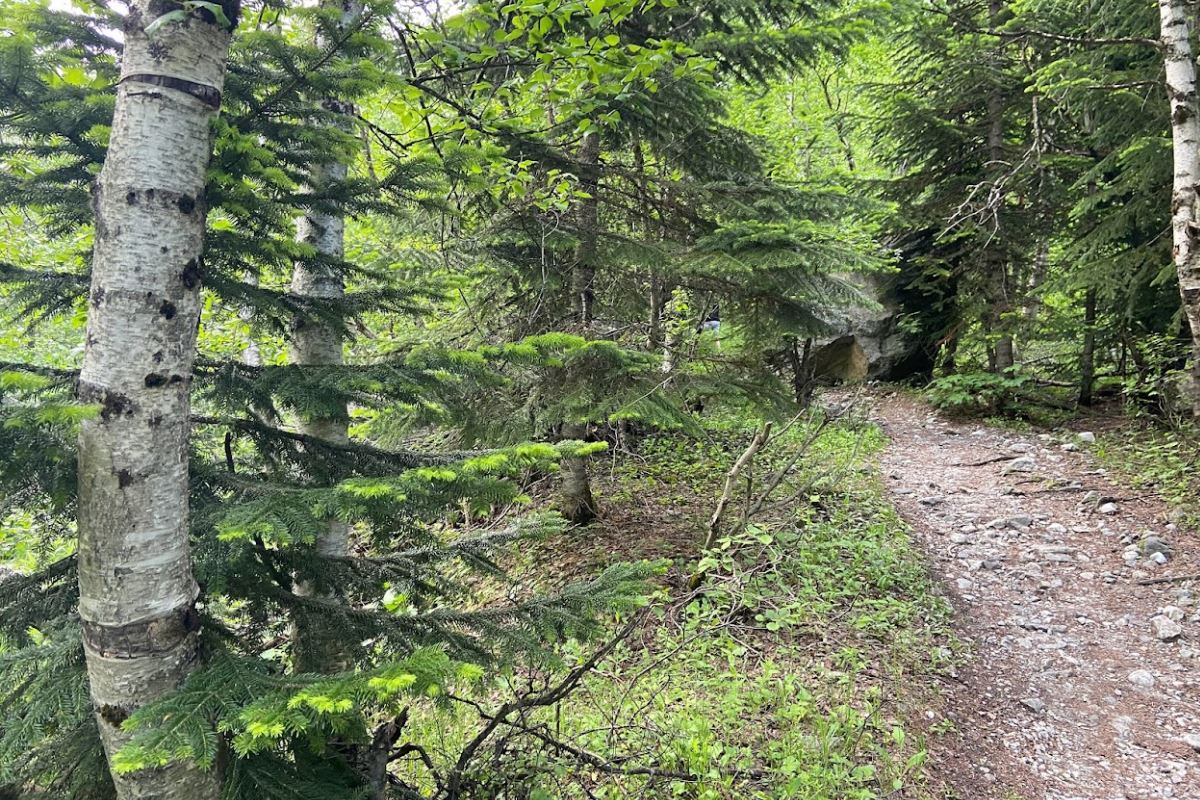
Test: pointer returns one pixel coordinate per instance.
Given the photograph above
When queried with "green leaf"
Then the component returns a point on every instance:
(178, 15)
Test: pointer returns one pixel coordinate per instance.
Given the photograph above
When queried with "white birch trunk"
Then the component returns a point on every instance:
(137, 594)
(313, 344)
(1185, 134)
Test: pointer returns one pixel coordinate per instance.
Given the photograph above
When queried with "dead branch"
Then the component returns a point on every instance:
(714, 524)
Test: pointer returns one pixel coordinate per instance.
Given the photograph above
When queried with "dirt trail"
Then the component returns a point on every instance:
(1071, 693)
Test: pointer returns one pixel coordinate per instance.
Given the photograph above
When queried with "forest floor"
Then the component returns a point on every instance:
(1084, 681)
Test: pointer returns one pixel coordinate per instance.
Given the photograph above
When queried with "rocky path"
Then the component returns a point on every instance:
(1085, 680)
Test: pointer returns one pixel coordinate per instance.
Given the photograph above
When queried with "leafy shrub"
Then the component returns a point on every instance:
(978, 392)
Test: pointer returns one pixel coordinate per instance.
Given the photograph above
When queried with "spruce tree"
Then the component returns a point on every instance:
(262, 489)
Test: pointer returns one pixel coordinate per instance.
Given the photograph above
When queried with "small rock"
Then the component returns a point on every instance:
(1158, 558)
(1056, 528)
(1087, 437)
(959, 538)
(1141, 677)
(1091, 498)
(1022, 464)
(1192, 740)
(1108, 508)
(1152, 544)
(1165, 629)
(932, 500)
(1172, 612)
(1034, 704)
(965, 584)
(991, 564)
(1070, 447)
(1020, 447)
(1019, 521)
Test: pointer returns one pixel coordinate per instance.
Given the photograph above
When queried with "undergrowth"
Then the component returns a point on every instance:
(792, 672)
(1150, 455)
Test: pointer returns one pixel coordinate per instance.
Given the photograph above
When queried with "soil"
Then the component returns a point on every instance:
(1069, 694)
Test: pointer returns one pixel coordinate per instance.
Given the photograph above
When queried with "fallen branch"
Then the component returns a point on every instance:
(714, 524)
(1062, 489)
(454, 781)
(1169, 579)
(995, 460)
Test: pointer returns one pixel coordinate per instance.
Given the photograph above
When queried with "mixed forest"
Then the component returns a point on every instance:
(430, 399)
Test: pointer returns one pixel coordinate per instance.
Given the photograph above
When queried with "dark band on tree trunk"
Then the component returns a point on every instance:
(209, 95)
(148, 637)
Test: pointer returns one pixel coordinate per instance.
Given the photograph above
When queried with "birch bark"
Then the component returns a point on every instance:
(137, 598)
(316, 648)
(1180, 66)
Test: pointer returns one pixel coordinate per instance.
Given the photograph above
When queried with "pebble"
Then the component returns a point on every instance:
(1172, 612)
(1141, 677)
(1152, 544)
(1070, 447)
(1158, 558)
(1087, 437)
(1034, 704)
(1108, 508)
(1192, 740)
(1056, 528)
(1022, 464)
(1165, 629)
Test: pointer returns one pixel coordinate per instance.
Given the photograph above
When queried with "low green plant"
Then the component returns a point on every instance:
(979, 393)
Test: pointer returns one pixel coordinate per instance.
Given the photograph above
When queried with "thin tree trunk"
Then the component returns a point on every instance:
(583, 273)
(577, 502)
(1087, 356)
(1037, 276)
(655, 339)
(1185, 134)
(1000, 352)
(801, 363)
(316, 647)
(950, 352)
(137, 595)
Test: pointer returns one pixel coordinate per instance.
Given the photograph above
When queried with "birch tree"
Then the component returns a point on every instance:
(320, 344)
(1185, 135)
(137, 594)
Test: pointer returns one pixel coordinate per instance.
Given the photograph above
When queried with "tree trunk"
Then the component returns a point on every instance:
(1087, 356)
(801, 363)
(317, 648)
(1000, 350)
(1185, 135)
(577, 503)
(583, 274)
(950, 352)
(137, 596)
(655, 339)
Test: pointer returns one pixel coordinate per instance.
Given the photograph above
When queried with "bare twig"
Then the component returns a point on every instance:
(1169, 579)
(714, 524)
